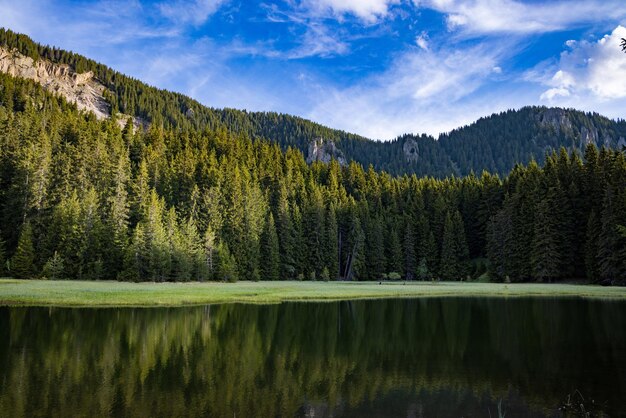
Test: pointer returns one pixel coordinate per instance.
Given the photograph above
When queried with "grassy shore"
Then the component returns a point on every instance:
(109, 293)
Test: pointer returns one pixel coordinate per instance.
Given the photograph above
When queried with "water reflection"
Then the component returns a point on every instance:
(416, 358)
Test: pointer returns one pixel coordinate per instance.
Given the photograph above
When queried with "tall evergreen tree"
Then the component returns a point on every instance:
(410, 256)
(331, 244)
(23, 261)
(3, 255)
(546, 259)
(270, 257)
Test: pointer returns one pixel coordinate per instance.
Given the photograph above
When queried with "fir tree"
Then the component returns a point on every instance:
(331, 244)
(23, 261)
(270, 257)
(54, 268)
(545, 250)
(3, 255)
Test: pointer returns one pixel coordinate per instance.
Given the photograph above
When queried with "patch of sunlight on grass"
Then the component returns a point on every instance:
(112, 293)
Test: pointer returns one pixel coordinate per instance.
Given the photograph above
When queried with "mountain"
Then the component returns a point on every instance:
(86, 195)
(495, 143)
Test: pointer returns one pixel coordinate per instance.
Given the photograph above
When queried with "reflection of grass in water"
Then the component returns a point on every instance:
(110, 293)
(501, 413)
(577, 405)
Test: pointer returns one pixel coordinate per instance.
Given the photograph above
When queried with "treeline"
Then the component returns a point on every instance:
(494, 143)
(84, 199)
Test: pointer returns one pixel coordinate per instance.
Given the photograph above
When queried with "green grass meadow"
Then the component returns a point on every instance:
(112, 293)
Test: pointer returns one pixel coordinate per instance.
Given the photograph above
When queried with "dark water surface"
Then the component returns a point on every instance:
(386, 358)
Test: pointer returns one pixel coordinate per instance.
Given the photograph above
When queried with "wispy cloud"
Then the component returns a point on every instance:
(375, 67)
(190, 11)
(421, 40)
(410, 95)
(319, 40)
(510, 16)
(370, 11)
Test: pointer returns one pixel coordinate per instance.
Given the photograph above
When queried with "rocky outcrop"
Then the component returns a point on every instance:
(324, 151)
(82, 89)
(580, 135)
(557, 119)
(411, 150)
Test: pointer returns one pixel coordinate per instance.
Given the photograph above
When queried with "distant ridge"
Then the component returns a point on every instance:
(494, 143)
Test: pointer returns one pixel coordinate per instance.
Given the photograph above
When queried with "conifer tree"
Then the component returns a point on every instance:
(449, 269)
(376, 260)
(137, 257)
(591, 246)
(3, 255)
(611, 244)
(285, 236)
(546, 259)
(331, 258)
(270, 257)
(226, 264)
(394, 253)
(410, 258)
(23, 261)
(461, 246)
(54, 268)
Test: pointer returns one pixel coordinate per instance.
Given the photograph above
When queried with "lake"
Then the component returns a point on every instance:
(437, 357)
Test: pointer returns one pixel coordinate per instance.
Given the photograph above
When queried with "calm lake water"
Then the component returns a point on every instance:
(386, 358)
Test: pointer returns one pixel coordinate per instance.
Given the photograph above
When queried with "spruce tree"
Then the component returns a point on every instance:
(394, 253)
(410, 257)
(285, 236)
(270, 257)
(3, 255)
(591, 246)
(23, 261)
(376, 258)
(545, 257)
(461, 246)
(331, 259)
(448, 266)
(226, 264)
(54, 268)
(611, 244)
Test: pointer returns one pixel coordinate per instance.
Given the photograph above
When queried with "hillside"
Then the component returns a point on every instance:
(82, 198)
(495, 143)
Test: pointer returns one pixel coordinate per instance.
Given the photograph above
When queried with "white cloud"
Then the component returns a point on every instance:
(190, 11)
(552, 93)
(318, 40)
(368, 10)
(512, 16)
(593, 70)
(421, 40)
(423, 91)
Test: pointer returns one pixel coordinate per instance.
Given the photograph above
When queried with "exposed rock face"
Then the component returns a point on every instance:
(82, 89)
(324, 151)
(411, 150)
(559, 120)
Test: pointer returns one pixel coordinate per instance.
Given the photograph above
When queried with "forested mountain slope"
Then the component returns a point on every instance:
(495, 143)
(83, 198)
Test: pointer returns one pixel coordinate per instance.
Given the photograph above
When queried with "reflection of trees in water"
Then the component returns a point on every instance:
(282, 359)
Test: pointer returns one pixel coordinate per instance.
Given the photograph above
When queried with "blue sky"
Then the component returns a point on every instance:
(379, 68)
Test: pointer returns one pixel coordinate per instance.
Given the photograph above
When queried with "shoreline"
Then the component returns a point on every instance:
(66, 293)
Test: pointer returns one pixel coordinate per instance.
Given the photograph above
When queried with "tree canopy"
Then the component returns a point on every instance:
(88, 199)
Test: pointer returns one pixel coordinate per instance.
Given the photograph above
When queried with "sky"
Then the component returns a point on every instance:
(379, 68)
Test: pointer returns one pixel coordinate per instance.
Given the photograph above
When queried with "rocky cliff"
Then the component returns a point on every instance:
(559, 120)
(324, 151)
(82, 89)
